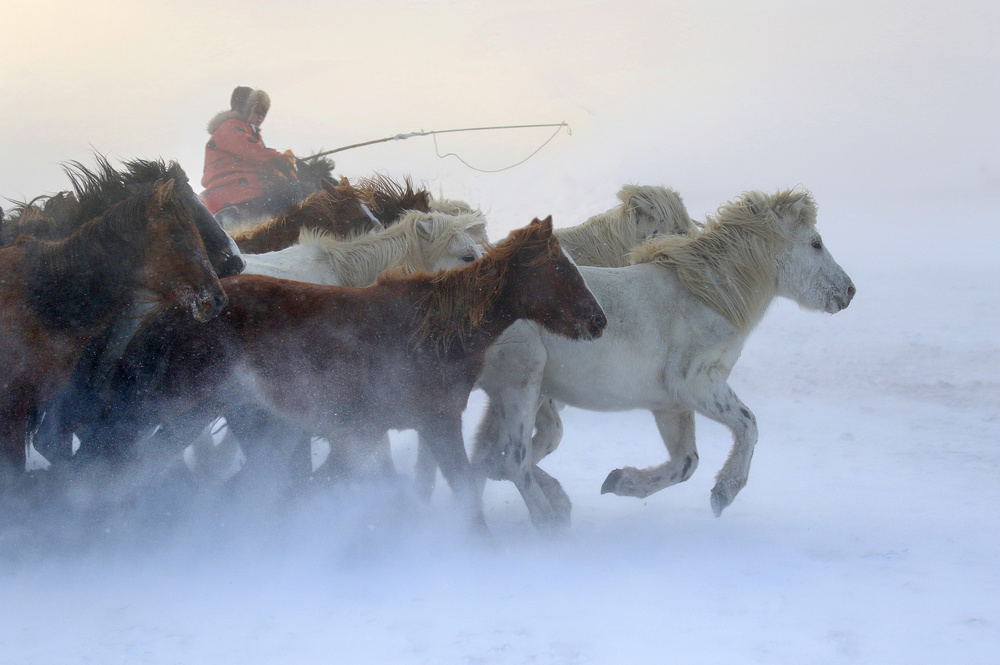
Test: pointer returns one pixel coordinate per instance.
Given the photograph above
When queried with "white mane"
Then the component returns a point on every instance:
(452, 207)
(606, 239)
(417, 241)
(731, 264)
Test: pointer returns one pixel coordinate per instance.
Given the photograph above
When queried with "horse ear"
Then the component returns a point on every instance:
(477, 228)
(164, 191)
(643, 206)
(424, 228)
(545, 225)
(327, 186)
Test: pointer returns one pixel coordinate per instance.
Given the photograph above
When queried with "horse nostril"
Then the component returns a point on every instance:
(219, 301)
(851, 291)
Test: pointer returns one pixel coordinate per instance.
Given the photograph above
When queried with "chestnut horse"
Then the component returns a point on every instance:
(56, 296)
(340, 211)
(353, 363)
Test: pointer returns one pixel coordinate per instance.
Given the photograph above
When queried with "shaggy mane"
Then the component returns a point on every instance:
(417, 239)
(458, 300)
(606, 239)
(75, 281)
(731, 264)
(389, 200)
(324, 203)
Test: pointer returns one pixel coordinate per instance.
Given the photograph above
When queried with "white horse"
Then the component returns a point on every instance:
(606, 239)
(419, 241)
(677, 321)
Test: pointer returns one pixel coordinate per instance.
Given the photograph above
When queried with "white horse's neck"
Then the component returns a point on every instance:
(732, 268)
(359, 262)
(596, 242)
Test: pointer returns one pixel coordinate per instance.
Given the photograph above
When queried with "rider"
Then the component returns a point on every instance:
(242, 175)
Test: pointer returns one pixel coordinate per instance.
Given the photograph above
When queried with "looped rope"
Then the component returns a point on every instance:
(537, 150)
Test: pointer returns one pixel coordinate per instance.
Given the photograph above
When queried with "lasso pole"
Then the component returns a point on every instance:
(401, 137)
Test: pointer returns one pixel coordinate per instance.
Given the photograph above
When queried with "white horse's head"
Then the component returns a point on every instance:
(448, 241)
(807, 272)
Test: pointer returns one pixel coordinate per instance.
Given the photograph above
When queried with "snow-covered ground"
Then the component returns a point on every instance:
(868, 532)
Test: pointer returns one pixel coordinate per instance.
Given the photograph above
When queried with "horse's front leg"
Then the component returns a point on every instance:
(444, 438)
(503, 447)
(676, 427)
(548, 430)
(716, 400)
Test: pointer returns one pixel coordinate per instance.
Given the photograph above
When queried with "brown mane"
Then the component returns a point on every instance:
(320, 211)
(389, 199)
(458, 301)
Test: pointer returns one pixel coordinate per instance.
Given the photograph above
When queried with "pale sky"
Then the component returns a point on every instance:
(850, 99)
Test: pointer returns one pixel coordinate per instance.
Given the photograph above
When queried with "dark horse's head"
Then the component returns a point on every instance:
(553, 292)
(222, 251)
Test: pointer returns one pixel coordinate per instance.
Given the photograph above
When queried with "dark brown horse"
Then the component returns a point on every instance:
(340, 211)
(352, 363)
(390, 200)
(56, 296)
(58, 216)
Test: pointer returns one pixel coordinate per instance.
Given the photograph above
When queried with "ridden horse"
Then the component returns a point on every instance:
(678, 320)
(355, 362)
(340, 210)
(56, 296)
(285, 193)
(606, 240)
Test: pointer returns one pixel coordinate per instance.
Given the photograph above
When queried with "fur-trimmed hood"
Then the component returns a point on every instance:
(222, 117)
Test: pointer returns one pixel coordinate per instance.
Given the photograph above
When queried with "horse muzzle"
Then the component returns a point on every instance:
(593, 327)
(840, 301)
(208, 306)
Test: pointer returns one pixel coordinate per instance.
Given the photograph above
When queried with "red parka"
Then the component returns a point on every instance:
(238, 166)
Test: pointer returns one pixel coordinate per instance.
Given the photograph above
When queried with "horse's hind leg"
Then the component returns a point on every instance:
(446, 443)
(677, 429)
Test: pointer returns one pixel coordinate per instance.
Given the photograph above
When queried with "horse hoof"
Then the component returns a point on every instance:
(611, 482)
(720, 500)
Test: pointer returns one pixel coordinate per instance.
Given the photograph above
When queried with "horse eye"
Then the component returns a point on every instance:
(817, 244)
(177, 237)
(469, 258)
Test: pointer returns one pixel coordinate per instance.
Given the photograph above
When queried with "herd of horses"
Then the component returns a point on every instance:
(132, 325)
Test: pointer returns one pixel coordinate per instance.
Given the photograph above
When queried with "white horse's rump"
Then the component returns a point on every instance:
(419, 241)
(677, 322)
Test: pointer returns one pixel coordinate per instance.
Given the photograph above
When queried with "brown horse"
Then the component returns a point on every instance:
(390, 200)
(353, 363)
(58, 216)
(56, 296)
(341, 211)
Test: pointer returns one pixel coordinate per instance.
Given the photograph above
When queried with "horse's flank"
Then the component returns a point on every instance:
(732, 264)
